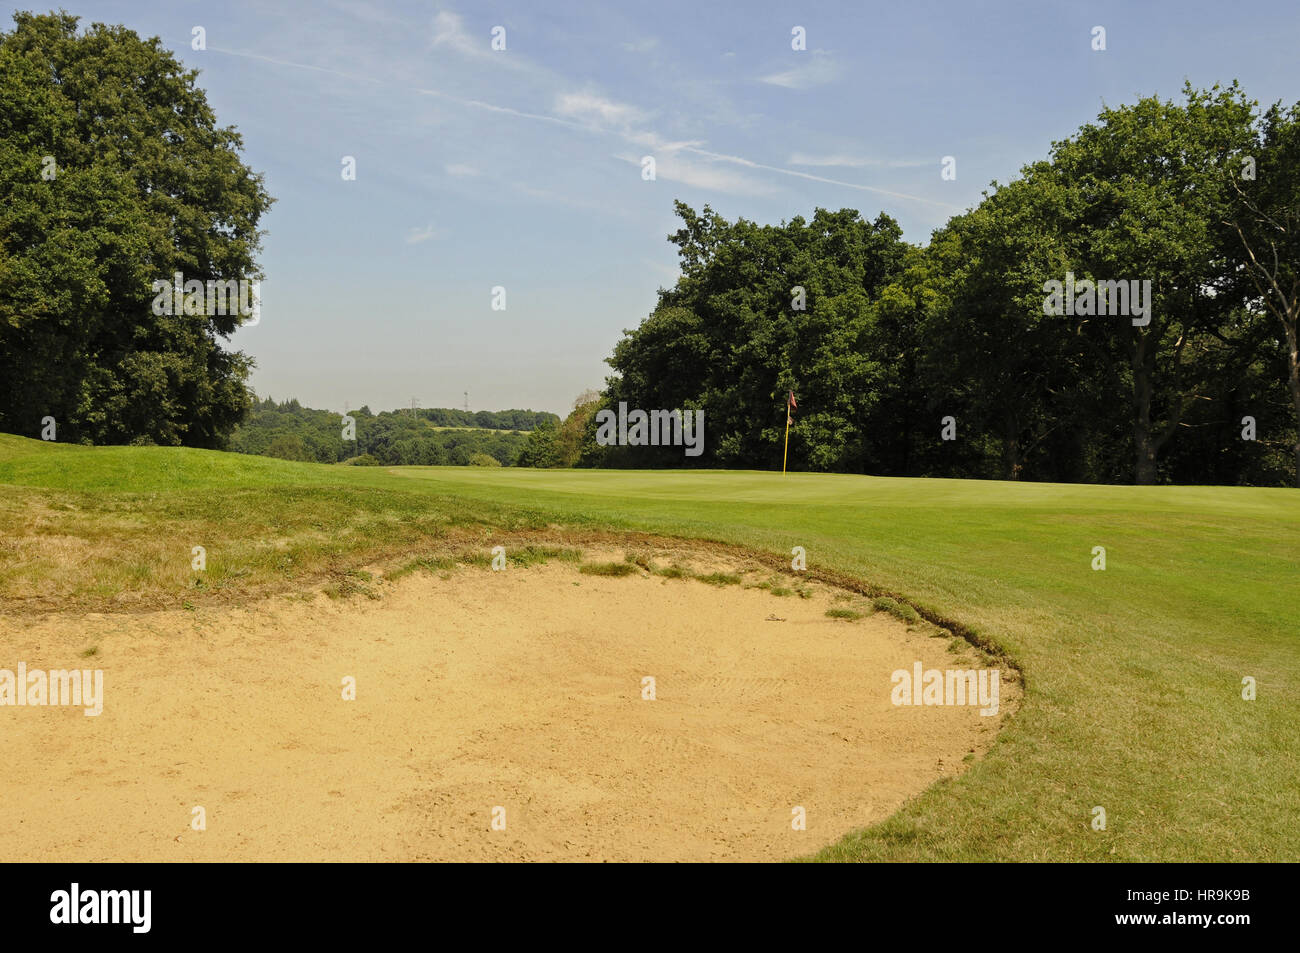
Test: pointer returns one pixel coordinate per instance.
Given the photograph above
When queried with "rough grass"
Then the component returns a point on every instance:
(719, 578)
(899, 610)
(608, 569)
(841, 613)
(672, 572)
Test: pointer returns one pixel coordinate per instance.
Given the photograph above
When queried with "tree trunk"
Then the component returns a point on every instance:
(1011, 460)
(1144, 473)
(1011, 464)
(1293, 353)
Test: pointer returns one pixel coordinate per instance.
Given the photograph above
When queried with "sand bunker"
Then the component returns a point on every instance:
(475, 690)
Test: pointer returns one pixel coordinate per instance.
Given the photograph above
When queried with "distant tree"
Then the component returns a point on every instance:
(541, 449)
(288, 446)
(576, 427)
(483, 460)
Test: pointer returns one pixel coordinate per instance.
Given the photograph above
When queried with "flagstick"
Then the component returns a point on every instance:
(786, 452)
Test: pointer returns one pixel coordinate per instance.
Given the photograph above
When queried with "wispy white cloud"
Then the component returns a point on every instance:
(449, 32)
(591, 107)
(461, 169)
(674, 167)
(817, 69)
(657, 143)
(858, 162)
(592, 113)
(307, 66)
(747, 163)
(417, 235)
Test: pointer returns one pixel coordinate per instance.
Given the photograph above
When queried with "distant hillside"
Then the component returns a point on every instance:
(429, 437)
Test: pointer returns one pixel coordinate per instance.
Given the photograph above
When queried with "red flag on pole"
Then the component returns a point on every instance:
(790, 406)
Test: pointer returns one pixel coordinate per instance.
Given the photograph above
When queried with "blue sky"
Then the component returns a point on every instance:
(477, 168)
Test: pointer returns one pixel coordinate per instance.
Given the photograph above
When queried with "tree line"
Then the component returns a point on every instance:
(287, 430)
(1002, 348)
(1173, 226)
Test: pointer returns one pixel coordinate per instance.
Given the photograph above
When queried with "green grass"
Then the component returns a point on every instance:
(1132, 675)
(838, 613)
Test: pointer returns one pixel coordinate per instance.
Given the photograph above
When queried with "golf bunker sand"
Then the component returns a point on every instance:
(476, 690)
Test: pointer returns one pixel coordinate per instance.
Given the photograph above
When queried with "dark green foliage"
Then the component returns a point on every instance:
(731, 339)
(542, 448)
(145, 184)
(895, 339)
(485, 419)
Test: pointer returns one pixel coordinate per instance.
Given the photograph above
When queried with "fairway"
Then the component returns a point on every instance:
(1133, 674)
